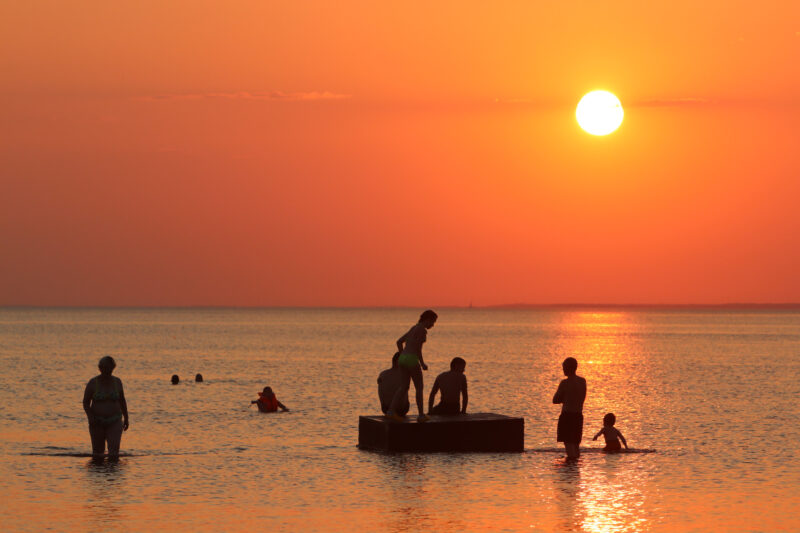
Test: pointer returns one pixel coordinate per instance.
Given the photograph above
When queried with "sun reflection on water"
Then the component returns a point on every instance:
(599, 337)
(612, 498)
(604, 493)
(612, 357)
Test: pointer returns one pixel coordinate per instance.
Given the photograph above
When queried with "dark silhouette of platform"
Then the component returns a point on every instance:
(474, 432)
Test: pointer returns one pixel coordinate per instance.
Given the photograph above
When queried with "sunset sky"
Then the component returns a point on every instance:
(412, 153)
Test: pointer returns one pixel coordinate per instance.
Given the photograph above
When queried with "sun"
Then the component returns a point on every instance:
(599, 113)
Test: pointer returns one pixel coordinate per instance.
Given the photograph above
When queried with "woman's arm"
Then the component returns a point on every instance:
(464, 396)
(400, 342)
(283, 406)
(123, 404)
(87, 400)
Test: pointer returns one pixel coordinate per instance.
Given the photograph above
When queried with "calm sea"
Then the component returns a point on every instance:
(714, 393)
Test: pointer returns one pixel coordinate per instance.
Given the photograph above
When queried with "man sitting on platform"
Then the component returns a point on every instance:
(388, 382)
(453, 384)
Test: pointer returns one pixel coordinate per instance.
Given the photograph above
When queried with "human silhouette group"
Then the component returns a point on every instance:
(107, 411)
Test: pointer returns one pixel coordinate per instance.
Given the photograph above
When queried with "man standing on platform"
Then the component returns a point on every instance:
(570, 394)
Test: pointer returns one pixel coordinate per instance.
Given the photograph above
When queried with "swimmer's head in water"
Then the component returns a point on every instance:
(458, 364)
(175, 379)
(428, 318)
(609, 419)
(570, 366)
(199, 378)
(107, 364)
(267, 391)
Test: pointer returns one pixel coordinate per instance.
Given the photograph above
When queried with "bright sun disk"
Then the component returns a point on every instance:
(599, 112)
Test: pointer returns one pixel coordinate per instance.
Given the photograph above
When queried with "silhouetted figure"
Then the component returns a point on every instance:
(453, 384)
(267, 401)
(611, 434)
(411, 365)
(198, 378)
(570, 394)
(389, 381)
(175, 379)
(106, 408)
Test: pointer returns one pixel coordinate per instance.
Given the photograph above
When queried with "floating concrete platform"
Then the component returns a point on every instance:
(474, 432)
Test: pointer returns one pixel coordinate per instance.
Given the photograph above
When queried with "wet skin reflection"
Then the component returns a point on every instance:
(566, 488)
(104, 505)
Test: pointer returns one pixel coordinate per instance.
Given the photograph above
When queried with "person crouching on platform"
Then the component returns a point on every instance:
(570, 394)
(453, 384)
(389, 381)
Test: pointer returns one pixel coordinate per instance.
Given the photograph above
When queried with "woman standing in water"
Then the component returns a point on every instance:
(411, 364)
(105, 406)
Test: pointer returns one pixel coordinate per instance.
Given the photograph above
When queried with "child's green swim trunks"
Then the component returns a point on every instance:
(408, 360)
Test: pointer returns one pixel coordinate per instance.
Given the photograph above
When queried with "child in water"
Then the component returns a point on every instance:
(267, 401)
(611, 434)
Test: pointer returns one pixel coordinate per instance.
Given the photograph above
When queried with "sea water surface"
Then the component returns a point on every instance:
(714, 393)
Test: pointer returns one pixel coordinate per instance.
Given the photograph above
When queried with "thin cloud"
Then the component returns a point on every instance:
(675, 102)
(276, 96)
(514, 101)
(689, 101)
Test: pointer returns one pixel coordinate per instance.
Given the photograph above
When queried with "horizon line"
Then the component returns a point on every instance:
(576, 305)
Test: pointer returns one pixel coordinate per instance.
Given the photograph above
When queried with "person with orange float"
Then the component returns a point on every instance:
(267, 401)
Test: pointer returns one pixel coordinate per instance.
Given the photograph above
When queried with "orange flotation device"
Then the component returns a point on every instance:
(267, 404)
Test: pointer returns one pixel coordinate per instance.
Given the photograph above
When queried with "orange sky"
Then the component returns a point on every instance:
(415, 153)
